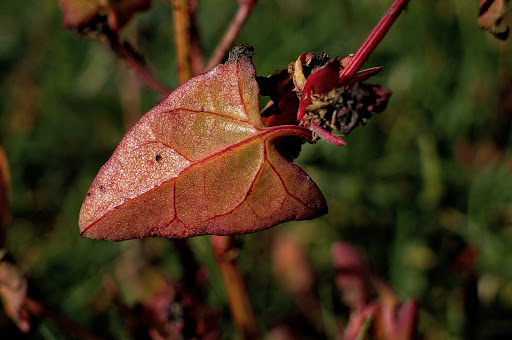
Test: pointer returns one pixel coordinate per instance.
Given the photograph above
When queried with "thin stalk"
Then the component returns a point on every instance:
(239, 304)
(181, 20)
(134, 61)
(373, 40)
(244, 10)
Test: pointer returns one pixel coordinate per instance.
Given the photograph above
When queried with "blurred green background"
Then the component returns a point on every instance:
(424, 191)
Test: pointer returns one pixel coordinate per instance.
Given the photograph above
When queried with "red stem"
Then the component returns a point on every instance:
(231, 33)
(372, 41)
(147, 77)
(291, 130)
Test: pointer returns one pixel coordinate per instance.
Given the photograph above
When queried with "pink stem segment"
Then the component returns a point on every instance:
(142, 71)
(372, 41)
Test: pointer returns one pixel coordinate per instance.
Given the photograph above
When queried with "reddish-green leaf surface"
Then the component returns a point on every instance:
(201, 162)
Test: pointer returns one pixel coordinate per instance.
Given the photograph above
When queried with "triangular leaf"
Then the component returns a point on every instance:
(201, 162)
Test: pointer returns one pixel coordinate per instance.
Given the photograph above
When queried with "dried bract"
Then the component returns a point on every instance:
(490, 18)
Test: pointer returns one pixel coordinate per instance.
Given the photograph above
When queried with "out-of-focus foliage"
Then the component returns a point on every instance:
(245, 184)
(424, 191)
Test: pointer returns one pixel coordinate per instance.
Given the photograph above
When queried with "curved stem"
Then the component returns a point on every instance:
(372, 41)
(291, 130)
(245, 8)
(134, 61)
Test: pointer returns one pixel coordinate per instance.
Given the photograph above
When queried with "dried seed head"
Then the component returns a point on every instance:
(343, 110)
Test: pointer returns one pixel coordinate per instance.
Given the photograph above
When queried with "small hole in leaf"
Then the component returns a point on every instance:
(88, 194)
(158, 158)
(102, 188)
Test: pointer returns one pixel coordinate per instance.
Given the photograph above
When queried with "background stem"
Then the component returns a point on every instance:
(239, 304)
(181, 19)
(134, 62)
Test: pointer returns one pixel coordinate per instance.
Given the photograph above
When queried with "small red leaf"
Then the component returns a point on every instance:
(491, 18)
(364, 75)
(201, 162)
(321, 81)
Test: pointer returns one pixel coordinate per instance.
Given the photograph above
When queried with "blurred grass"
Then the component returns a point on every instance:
(422, 183)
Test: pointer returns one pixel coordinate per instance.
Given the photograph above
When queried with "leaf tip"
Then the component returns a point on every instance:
(239, 52)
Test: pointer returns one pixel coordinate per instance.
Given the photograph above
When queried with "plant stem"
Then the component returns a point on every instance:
(37, 308)
(245, 8)
(181, 20)
(373, 40)
(241, 310)
(134, 61)
(365, 327)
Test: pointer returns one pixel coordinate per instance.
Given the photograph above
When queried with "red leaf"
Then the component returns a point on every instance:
(322, 81)
(291, 266)
(201, 162)
(352, 275)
